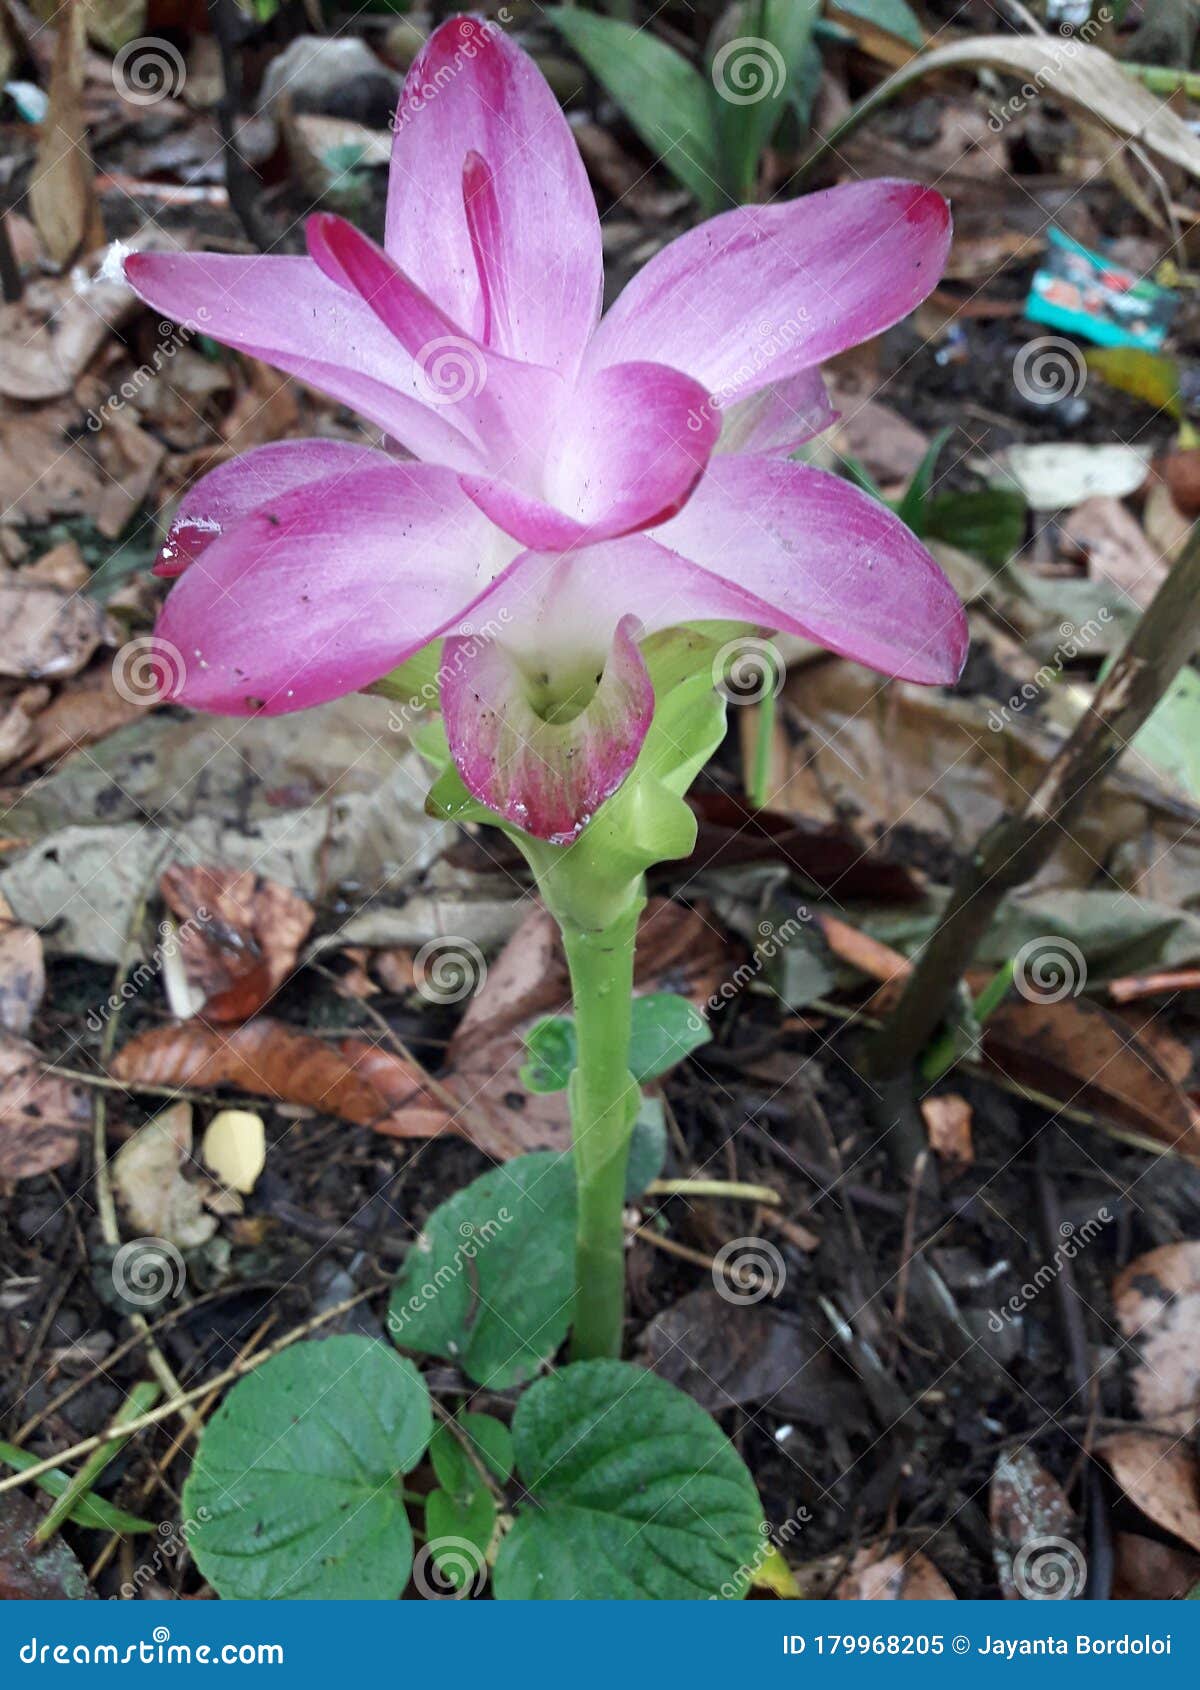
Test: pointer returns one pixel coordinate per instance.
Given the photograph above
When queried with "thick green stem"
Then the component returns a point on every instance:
(604, 1101)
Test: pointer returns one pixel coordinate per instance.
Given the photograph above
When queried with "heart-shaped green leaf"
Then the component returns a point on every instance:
(489, 1283)
(296, 1486)
(639, 1494)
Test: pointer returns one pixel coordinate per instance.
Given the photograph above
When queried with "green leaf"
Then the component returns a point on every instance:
(755, 59)
(666, 1029)
(913, 508)
(665, 98)
(647, 1147)
(1151, 377)
(552, 1055)
(458, 1536)
(896, 16)
(639, 1493)
(1170, 739)
(296, 1485)
(91, 1510)
(988, 523)
(489, 1282)
(456, 1472)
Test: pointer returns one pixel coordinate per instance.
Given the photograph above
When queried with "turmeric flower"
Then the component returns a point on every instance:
(555, 486)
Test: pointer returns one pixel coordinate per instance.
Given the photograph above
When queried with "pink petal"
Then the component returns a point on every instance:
(322, 589)
(629, 446)
(778, 418)
(829, 562)
(757, 294)
(213, 504)
(285, 311)
(547, 778)
(470, 90)
(507, 407)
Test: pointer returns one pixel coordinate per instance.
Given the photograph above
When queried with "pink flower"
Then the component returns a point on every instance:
(568, 485)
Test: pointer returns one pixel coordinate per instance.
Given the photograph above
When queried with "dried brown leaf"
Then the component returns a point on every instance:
(42, 1116)
(239, 937)
(1160, 1476)
(876, 1576)
(1157, 1301)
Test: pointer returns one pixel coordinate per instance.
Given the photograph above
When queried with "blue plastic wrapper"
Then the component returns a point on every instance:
(1088, 295)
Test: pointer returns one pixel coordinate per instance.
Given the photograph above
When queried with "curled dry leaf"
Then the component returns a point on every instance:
(48, 634)
(354, 1079)
(948, 1123)
(1159, 1475)
(1157, 1300)
(148, 1177)
(42, 1116)
(239, 936)
(22, 973)
(1026, 1503)
(876, 1576)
